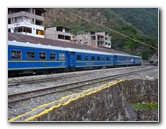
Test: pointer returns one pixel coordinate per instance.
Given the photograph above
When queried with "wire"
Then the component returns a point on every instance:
(113, 30)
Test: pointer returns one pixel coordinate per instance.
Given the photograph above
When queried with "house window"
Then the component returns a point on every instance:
(67, 37)
(61, 36)
(23, 29)
(39, 32)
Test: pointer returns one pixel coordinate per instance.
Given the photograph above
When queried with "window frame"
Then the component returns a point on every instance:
(79, 57)
(31, 56)
(103, 58)
(86, 57)
(98, 58)
(16, 58)
(93, 58)
(60, 56)
(50, 55)
(45, 55)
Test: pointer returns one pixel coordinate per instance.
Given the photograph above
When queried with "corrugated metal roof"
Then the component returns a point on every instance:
(45, 41)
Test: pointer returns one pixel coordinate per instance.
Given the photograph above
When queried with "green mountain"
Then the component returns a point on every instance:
(137, 23)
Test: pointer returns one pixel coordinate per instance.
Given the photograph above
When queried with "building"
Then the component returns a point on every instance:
(95, 39)
(59, 33)
(26, 21)
(29, 21)
(83, 39)
(154, 59)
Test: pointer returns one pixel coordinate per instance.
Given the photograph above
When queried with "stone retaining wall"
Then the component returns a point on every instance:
(110, 104)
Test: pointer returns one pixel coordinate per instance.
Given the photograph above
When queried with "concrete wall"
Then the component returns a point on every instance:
(110, 104)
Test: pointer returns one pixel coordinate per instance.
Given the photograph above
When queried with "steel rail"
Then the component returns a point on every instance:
(64, 87)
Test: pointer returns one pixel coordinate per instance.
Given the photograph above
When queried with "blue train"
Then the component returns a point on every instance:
(28, 57)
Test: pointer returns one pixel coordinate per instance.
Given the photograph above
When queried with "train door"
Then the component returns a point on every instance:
(72, 59)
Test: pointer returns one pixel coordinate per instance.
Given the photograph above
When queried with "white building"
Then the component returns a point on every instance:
(27, 21)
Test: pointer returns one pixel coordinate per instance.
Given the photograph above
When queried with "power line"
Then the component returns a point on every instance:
(113, 30)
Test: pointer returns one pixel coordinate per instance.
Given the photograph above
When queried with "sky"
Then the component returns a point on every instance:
(77, 4)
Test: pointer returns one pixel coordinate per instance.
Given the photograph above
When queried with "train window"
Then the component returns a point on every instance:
(107, 58)
(52, 56)
(119, 59)
(78, 57)
(93, 58)
(30, 55)
(42, 55)
(98, 58)
(61, 56)
(16, 54)
(86, 57)
(102, 57)
(132, 59)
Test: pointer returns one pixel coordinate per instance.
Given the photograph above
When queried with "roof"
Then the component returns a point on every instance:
(45, 41)
(27, 44)
(154, 57)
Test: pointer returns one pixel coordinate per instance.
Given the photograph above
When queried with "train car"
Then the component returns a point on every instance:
(37, 58)
(27, 57)
(137, 60)
(123, 60)
(84, 59)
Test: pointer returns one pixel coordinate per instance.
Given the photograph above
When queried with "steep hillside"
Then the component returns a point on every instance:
(140, 24)
(144, 19)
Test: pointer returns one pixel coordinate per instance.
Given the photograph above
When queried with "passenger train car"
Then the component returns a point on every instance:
(89, 59)
(26, 57)
(37, 58)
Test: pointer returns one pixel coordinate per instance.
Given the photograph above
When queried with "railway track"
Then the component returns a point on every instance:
(45, 79)
(54, 77)
(20, 82)
(23, 96)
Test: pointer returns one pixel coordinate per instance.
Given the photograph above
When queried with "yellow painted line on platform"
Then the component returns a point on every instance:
(69, 98)
(43, 105)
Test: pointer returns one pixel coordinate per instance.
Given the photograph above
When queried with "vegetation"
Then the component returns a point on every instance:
(146, 106)
(137, 23)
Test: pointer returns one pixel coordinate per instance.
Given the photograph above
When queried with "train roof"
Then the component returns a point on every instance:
(127, 55)
(88, 51)
(27, 44)
(116, 54)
